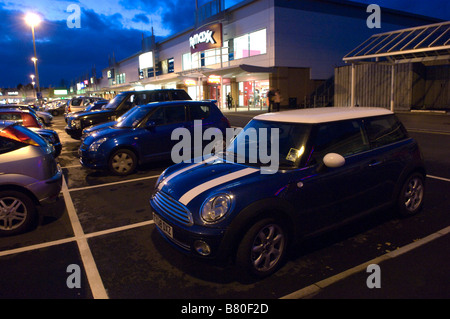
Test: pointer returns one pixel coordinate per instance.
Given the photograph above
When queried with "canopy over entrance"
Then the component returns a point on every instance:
(419, 44)
(424, 44)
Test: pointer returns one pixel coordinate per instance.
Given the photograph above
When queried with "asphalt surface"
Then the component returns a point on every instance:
(110, 219)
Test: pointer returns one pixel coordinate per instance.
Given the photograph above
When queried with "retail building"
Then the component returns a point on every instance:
(237, 54)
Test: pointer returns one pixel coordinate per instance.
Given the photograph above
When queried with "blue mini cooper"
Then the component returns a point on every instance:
(144, 134)
(332, 165)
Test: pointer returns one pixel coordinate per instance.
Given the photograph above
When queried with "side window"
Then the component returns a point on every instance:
(384, 130)
(11, 117)
(180, 95)
(157, 96)
(141, 99)
(129, 103)
(157, 117)
(175, 114)
(343, 137)
(199, 112)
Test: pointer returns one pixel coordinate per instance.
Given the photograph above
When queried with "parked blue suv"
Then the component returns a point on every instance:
(144, 134)
(332, 166)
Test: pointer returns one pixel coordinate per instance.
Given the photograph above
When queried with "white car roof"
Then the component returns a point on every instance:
(323, 114)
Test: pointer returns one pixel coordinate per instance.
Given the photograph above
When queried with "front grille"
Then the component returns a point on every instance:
(172, 209)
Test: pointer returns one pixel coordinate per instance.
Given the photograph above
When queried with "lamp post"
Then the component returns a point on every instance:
(33, 20)
(33, 83)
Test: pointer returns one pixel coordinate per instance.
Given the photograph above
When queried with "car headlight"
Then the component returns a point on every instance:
(160, 178)
(94, 146)
(75, 124)
(216, 207)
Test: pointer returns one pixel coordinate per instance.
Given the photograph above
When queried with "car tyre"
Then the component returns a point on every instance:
(17, 213)
(55, 113)
(263, 248)
(410, 200)
(123, 162)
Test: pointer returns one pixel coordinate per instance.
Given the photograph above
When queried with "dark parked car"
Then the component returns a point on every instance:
(334, 166)
(30, 120)
(144, 134)
(121, 103)
(30, 177)
(56, 108)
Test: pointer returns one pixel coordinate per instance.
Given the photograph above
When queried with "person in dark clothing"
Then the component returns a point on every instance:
(229, 101)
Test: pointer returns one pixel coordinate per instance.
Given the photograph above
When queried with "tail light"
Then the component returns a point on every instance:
(16, 135)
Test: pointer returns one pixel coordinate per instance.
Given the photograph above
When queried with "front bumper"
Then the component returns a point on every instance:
(74, 133)
(94, 160)
(185, 237)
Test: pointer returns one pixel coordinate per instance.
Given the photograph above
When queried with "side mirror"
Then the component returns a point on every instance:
(333, 160)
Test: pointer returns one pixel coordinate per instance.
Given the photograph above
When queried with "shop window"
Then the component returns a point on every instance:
(241, 47)
(187, 61)
(258, 42)
(250, 44)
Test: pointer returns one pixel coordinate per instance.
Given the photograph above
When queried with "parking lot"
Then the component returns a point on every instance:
(102, 225)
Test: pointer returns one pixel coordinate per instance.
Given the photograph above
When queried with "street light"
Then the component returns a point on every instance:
(32, 19)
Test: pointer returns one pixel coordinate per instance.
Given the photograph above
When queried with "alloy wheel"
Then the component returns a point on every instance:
(413, 194)
(268, 247)
(13, 213)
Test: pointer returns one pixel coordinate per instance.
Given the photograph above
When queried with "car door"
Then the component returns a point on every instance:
(326, 196)
(390, 147)
(198, 116)
(158, 141)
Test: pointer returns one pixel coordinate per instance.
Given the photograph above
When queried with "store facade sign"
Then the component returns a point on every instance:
(60, 92)
(206, 37)
(146, 60)
(110, 74)
(214, 79)
(190, 82)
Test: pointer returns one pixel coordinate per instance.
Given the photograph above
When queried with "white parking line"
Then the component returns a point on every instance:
(93, 276)
(95, 281)
(318, 286)
(113, 183)
(440, 178)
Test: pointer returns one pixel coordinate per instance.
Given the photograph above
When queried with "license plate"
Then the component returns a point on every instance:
(166, 228)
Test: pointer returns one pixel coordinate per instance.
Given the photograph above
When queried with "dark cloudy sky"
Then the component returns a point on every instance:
(109, 26)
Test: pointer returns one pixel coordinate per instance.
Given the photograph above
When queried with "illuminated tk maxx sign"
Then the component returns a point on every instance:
(205, 38)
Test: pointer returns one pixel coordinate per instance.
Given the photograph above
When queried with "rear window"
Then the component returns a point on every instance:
(76, 102)
(23, 135)
(385, 130)
(8, 145)
(199, 112)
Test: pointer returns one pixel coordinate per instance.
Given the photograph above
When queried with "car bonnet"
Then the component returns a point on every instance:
(203, 177)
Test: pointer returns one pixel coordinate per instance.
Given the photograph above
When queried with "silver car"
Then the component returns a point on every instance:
(29, 177)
